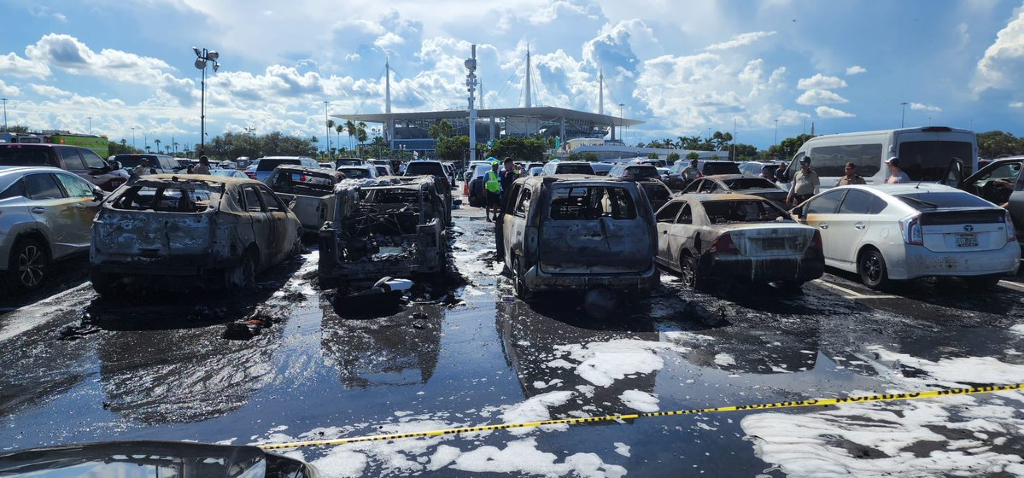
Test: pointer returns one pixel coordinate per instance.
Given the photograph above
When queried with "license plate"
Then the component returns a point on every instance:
(773, 244)
(966, 240)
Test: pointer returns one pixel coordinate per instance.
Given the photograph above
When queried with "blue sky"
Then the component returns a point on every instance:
(682, 67)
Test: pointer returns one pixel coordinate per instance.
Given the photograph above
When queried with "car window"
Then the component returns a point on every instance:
(42, 186)
(1006, 172)
(856, 202)
(575, 169)
(14, 156)
(694, 186)
(924, 201)
(252, 200)
(15, 190)
(591, 202)
(831, 160)
(271, 201)
(524, 203)
(76, 186)
(743, 210)
(92, 160)
(686, 215)
(824, 204)
(669, 212)
(749, 183)
(72, 160)
(355, 173)
(708, 186)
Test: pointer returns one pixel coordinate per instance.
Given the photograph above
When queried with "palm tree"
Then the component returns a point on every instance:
(340, 128)
(361, 133)
(175, 144)
(350, 127)
(157, 141)
(668, 143)
(440, 130)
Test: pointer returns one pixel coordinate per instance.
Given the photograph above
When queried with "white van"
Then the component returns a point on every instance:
(926, 154)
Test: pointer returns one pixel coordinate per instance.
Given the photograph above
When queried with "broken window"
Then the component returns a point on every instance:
(302, 184)
(168, 197)
(592, 202)
(720, 212)
(524, 203)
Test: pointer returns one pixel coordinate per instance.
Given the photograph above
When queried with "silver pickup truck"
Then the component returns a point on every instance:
(309, 192)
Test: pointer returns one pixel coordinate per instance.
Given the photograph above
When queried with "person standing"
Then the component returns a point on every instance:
(690, 172)
(493, 186)
(203, 167)
(805, 183)
(851, 176)
(508, 175)
(143, 168)
(896, 174)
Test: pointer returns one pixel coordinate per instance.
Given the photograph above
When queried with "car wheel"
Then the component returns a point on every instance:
(243, 275)
(28, 265)
(519, 280)
(689, 272)
(873, 272)
(102, 282)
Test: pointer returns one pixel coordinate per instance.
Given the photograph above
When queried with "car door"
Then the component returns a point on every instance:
(54, 211)
(282, 228)
(709, 186)
(261, 223)
(1016, 206)
(819, 212)
(666, 219)
(694, 186)
(846, 229)
(84, 203)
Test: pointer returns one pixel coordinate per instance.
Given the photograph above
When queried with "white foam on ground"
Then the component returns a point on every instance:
(1017, 329)
(954, 371)
(725, 360)
(602, 363)
(536, 409)
(640, 400)
(522, 456)
(621, 448)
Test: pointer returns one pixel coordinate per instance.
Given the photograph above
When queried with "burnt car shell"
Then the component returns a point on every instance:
(146, 228)
(309, 193)
(395, 227)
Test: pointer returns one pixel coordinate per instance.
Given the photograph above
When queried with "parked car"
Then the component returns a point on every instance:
(657, 192)
(222, 231)
(327, 166)
(383, 170)
(567, 167)
(451, 176)
(309, 193)
(602, 169)
(658, 163)
(995, 182)
(477, 192)
(634, 171)
(349, 162)
(712, 167)
(358, 172)
(227, 164)
(45, 216)
(664, 174)
(435, 169)
(228, 173)
(905, 231)
(467, 175)
(738, 183)
(576, 233)
(261, 168)
(535, 171)
(392, 226)
(736, 237)
(760, 169)
(82, 161)
(158, 163)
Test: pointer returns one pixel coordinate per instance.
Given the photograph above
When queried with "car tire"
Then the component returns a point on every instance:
(689, 272)
(243, 275)
(872, 269)
(519, 281)
(102, 282)
(28, 265)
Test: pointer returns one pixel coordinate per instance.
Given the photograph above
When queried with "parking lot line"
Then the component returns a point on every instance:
(852, 294)
(1011, 285)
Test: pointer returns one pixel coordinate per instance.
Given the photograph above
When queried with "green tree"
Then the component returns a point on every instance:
(352, 130)
(672, 157)
(721, 140)
(692, 155)
(519, 149)
(993, 144)
(157, 141)
(591, 157)
(742, 152)
(455, 149)
(361, 135)
(16, 128)
(574, 157)
(119, 148)
(652, 155)
(787, 148)
(339, 128)
(440, 129)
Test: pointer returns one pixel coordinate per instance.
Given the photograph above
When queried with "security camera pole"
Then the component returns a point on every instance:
(471, 86)
(202, 57)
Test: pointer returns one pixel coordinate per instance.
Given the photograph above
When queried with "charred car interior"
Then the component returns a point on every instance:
(309, 193)
(396, 227)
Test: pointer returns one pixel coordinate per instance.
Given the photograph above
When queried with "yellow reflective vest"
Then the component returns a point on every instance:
(492, 184)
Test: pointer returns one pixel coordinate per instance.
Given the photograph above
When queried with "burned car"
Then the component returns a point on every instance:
(397, 228)
(221, 230)
(309, 193)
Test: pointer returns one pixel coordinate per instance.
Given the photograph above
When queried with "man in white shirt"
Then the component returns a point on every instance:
(896, 174)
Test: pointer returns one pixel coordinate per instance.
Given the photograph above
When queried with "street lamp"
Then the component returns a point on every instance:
(903, 115)
(133, 137)
(90, 124)
(5, 112)
(202, 57)
(327, 128)
(621, 138)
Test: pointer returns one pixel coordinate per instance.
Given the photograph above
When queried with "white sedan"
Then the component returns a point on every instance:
(907, 231)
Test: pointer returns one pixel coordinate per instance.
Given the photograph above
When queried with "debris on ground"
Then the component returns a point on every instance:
(75, 332)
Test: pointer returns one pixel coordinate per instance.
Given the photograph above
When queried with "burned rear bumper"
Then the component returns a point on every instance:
(634, 283)
(787, 268)
(193, 265)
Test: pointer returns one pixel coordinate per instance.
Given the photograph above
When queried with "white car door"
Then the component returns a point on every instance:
(849, 225)
(666, 218)
(820, 212)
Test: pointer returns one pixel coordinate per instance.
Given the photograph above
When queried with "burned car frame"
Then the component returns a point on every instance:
(397, 227)
(309, 193)
(219, 229)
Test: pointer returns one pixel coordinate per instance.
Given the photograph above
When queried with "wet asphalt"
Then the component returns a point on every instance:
(74, 368)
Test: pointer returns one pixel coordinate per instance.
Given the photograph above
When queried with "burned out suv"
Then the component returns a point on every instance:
(82, 161)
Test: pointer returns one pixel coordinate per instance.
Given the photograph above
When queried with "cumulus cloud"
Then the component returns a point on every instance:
(552, 11)
(14, 65)
(826, 112)
(855, 70)
(49, 91)
(820, 97)
(1017, 104)
(388, 40)
(924, 107)
(820, 82)
(743, 39)
(8, 90)
(1001, 66)
(70, 54)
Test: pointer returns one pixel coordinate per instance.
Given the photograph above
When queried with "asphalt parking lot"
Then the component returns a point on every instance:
(80, 369)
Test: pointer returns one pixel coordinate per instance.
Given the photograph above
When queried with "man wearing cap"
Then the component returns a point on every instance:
(896, 174)
(851, 176)
(805, 183)
(493, 186)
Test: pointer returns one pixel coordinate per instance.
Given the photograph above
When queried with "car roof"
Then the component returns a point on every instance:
(307, 169)
(195, 177)
(905, 188)
(719, 197)
(576, 178)
(13, 170)
(285, 157)
(733, 176)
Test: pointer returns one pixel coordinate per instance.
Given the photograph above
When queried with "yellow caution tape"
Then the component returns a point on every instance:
(817, 402)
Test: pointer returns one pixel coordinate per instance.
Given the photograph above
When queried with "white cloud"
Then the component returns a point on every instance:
(1001, 65)
(49, 91)
(14, 65)
(826, 112)
(820, 97)
(1017, 104)
(743, 39)
(924, 107)
(855, 70)
(8, 90)
(820, 82)
(551, 12)
(388, 40)
(68, 53)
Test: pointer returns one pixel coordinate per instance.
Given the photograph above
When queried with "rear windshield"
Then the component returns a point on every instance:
(574, 169)
(481, 170)
(924, 201)
(270, 164)
(168, 198)
(356, 173)
(642, 172)
(592, 202)
(302, 184)
(929, 160)
(132, 160)
(349, 162)
(24, 157)
(422, 169)
(721, 168)
(722, 212)
(749, 183)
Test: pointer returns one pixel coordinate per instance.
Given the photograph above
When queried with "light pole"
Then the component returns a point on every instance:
(5, 112)
(202, 57)
(903, 116)
(145, 141)
(90, 124)
(776, 142)
(327, 128)
(471, 83)
(621, 137)
(133, 137)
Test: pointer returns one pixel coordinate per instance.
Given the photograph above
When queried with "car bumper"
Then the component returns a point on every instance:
(164, 266)
(791, 268)
(641, 283)
(920, 262)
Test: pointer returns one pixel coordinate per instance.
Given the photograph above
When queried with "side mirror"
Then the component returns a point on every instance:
(99, 194)
(115, 164)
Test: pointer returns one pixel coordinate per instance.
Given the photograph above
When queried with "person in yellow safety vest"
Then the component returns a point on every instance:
(493, 186)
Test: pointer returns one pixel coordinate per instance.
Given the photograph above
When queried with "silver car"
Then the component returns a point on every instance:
(45, 215)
